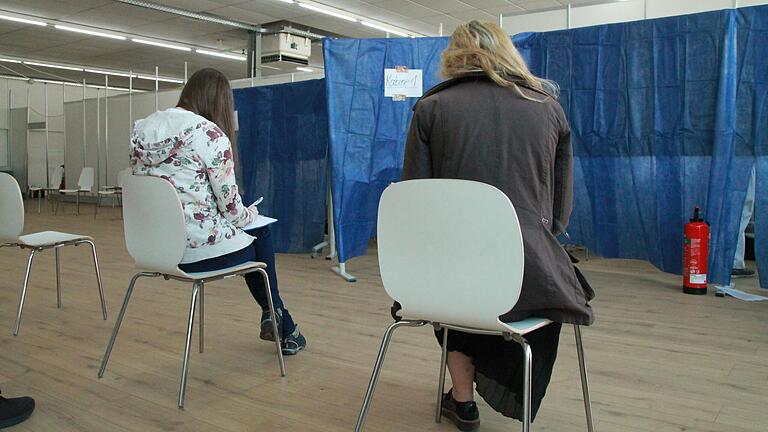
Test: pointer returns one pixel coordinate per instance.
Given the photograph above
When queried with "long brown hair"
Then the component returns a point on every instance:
(483, 46)
(208, 94)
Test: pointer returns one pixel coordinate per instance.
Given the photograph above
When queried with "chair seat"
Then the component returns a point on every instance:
(50, 238)
(227, 271)
(34, 188)
(107, 192)
(72, 190)
(527, 325)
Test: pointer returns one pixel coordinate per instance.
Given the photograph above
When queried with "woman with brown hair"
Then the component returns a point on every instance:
(190, 146)
(493, 121)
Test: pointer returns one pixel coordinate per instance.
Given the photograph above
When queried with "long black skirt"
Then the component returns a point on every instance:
(499, 366)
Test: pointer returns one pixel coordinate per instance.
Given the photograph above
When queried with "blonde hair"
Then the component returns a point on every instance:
(483, 46)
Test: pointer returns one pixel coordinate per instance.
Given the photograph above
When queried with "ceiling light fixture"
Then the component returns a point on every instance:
(23, 20)
(221, 54)
(160, 44)
(89, 32)
(328, 12)
(53, 66)
(305, 69)
(152, 78)
(385, 29)
(287, 1)
(7, 60)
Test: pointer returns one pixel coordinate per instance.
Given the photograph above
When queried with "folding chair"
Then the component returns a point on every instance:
(84, 184)
(158, 247)
(451, 253)
(12, 215)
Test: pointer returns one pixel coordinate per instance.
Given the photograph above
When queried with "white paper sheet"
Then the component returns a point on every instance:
(741, 295)
(261, 221)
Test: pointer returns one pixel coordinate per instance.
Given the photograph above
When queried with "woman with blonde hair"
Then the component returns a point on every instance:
(493, 121)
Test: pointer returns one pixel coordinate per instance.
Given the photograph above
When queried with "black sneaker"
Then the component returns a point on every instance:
(15, 410)
(742, 273)
(267, 331)
(464, 414)
(294, 343)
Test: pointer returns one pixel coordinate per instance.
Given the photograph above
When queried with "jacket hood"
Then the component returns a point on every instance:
(159, 136)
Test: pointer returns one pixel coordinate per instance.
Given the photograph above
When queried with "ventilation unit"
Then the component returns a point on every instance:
(285, 51)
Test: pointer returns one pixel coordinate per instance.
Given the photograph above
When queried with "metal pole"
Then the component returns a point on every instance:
(47, 137)
(130, 101)
(501, 20)
(63, 100)
(157, 87)
(26, 149)
(645, 9)
(440, 29)
(85, 150)
(185, 72)
(250, 58)
(257, 56)
(106, 129)
(568, 16)
(98, 138)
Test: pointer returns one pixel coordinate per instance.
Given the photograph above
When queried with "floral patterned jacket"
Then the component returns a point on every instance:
(195, 156)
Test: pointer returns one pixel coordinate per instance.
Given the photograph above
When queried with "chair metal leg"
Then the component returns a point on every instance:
(58, 277)
(441, 383)
(275, 330)
(39, 198)
(119, 321)
(202, 317)
(96, 209)
(98, 279)
(584, 380)
(377, 368)
(77, 200)
(527, 372)
(188, 342)
(528, 355)
(23, 293)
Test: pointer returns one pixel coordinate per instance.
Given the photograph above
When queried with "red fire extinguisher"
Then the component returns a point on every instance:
(696, 254)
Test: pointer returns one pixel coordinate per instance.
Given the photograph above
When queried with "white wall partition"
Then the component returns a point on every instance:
(614, 12)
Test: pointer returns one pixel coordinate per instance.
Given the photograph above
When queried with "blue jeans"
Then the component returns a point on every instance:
(260, 250)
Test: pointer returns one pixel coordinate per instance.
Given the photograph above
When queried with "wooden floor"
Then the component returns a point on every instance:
(659, 360)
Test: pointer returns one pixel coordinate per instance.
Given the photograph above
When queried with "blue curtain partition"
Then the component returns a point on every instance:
(283, 145)
(667, 114)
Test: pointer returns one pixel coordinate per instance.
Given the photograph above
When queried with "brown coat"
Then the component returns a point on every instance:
(470, 128)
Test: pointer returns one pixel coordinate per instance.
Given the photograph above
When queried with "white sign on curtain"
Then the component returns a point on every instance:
(401, 83)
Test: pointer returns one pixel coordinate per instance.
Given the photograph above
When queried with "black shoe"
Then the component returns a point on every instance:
(742, 273)
(464, 414)
(15, 410)
(267, 331)
(294, 343)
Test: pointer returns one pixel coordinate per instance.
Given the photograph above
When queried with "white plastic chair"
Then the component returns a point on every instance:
(84, 184)
(158, 247)
(451, 253)
(12, 217)
(53, 185)
(116, 192)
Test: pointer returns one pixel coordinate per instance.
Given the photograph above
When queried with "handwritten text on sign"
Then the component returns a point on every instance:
(399, 82)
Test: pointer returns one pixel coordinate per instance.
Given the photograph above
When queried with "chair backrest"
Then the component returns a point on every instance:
(121, 176)
(450, 251)
(155, 231)
(86, 179)
(58, 175)
(11, 209)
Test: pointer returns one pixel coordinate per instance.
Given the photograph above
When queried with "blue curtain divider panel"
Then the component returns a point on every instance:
(283, 147)
(667, 114)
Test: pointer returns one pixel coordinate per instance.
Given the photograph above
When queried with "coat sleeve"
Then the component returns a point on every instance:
(417, 163)
(563, 188)
(220, 169)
